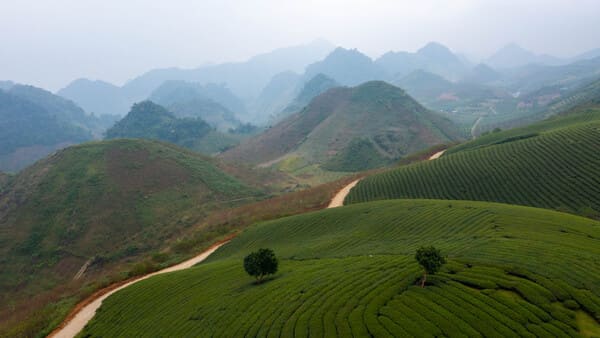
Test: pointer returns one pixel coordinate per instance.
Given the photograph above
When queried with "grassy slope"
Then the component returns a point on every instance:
(350, 271)
(385, 114)
(580, 116)
(551, 165)
(107, 202)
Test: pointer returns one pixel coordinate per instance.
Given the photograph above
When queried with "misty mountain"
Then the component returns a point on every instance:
(63, 109)
(435, 92)
(30, 131)
(423, 84)
(482, 74)
(176, 91)
(276, 95)
(349, 129)
(513, 55)
(319, 84)
(97, 97)
(246, 79)
(148, 120)
(151, 121)
(346, 66)
(433, 57)
(591, 54)
(533, 77)
(5, 85)
(215, 104)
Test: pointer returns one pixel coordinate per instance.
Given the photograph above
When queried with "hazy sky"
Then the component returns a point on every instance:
(48, 43)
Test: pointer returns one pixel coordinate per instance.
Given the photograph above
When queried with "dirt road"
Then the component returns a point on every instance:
(338, 199)
(86, 310)
(436, 155)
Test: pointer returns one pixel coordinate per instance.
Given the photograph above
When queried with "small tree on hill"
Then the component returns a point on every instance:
(431, 260)
(260, 264)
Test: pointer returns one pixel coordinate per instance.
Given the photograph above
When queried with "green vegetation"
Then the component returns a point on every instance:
(431, 260)
(105, 203)
(4, 180)
(151, 121)
(29, 131)
(261, 263)
(544, 166)
(335, 121)
(317, 85)
(360, 154)
(213, 103)
(575, 117)
(511, 271)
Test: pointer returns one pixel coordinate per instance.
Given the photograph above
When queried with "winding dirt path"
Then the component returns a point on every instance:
(338, 199)
(474, 127)
(86, 310)
(437, 155)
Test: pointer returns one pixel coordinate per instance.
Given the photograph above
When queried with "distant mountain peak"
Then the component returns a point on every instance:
(434, 49)
(513, 55)
(343, 52)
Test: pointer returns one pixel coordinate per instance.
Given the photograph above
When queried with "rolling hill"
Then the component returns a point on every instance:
(317, 85)
(351, 272)
(98, 97)
(29, 132)
(550, 165)
(180, 92)
(94, 208)
(150, 121)
(276, 95)
(375, 115)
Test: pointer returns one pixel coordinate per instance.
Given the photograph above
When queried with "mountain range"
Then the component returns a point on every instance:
(245, 79)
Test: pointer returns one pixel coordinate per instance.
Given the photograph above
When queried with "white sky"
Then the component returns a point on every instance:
(48, 43)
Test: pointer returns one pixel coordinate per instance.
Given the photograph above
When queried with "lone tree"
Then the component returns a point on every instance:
(431, 260)
(260, 264)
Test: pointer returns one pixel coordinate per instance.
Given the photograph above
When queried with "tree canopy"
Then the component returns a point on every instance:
(261, 263)
(430, 259)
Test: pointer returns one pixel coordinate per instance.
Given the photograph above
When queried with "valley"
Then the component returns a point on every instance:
(311, 190)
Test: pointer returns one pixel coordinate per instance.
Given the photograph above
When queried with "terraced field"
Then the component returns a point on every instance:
(512, 271)
(557, 168)
(574, 117)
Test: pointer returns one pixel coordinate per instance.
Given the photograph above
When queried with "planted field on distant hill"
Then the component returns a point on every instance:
(575, 117)
(350, 272)
(557, 169)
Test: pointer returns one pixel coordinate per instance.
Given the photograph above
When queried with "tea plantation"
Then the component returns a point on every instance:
(558, 169)
(511, 271)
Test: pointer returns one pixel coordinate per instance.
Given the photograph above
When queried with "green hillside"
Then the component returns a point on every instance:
(350, 272)
(212, 103)
(574, 117)
(151, 121)
(312, 88)
(29, 132)
(105, 203)
(4, 180)
(550, 165)
(391, 120)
